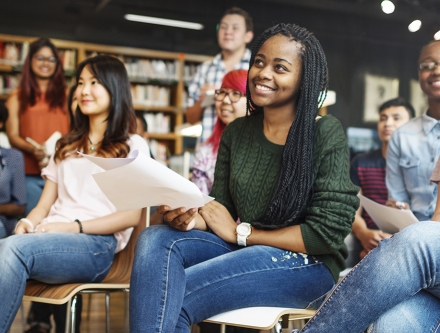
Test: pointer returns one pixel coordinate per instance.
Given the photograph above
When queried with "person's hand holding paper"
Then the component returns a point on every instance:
(139, 181)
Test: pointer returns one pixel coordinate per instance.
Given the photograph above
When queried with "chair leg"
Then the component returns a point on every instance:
(73, 314)
(279, 326)
(107, 312)
(222, 328)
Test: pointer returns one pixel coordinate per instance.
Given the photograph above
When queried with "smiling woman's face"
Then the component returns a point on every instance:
(276, 74)
(430, 79)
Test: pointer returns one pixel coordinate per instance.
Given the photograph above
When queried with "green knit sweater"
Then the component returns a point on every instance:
(246, 177)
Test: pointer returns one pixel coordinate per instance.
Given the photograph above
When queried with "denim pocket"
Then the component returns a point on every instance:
(410, 169)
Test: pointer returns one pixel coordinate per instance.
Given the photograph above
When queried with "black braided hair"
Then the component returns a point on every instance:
(295, 184)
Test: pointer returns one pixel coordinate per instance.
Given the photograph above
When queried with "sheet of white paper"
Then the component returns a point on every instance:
(51, 142)
(209, 99)
(139, 181)
(388, 219)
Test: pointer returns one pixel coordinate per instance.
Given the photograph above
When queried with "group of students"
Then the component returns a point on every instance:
(284, 200)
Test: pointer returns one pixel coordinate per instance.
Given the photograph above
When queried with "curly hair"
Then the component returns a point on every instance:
(294, 191)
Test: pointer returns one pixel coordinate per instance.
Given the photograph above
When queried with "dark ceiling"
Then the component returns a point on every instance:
(101, 21)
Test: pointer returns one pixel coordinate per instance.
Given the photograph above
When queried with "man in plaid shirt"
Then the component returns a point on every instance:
(234, 32)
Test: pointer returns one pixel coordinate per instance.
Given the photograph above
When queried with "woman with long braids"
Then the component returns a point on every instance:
(74, 231)
(284, 172)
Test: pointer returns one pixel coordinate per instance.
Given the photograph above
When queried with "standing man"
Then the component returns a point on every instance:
(234, 31)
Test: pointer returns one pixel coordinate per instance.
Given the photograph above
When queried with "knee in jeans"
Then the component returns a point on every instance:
(151, 235)
(420, 232)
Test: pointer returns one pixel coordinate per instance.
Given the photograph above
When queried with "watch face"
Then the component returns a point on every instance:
(244, 229)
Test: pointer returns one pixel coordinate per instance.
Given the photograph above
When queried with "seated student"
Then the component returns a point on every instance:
(230, 103)
(74, 231)
(368, 172)
(289, 248)
(12, 184)
(395, 285)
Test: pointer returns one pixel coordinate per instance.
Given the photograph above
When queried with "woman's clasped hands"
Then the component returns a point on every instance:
(213, 215)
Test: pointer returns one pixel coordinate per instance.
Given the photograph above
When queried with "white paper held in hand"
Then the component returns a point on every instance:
(388, 219)
(139, 181)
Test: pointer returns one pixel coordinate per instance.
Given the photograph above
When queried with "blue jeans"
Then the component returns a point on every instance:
(394, 288)
(181, 278)
(34, 187)
(51, 258)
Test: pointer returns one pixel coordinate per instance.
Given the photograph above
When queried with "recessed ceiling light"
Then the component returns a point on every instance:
(162, 21)
(415, 25)
(387, 6)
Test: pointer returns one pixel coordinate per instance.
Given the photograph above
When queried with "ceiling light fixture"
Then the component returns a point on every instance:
(387, 6)
(415, 25)
(162, 21)
(437, 35)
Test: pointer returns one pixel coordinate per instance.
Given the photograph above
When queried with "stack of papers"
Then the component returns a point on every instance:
(388, 219)
(139, 181)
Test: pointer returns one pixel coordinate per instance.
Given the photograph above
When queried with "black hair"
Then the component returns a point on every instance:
(238, 11)
(69, 107)
(140, 116)
(3, 115)
(398, 101)
(295, 184)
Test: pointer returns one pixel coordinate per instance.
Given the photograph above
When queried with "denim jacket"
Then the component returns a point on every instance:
(412, 154)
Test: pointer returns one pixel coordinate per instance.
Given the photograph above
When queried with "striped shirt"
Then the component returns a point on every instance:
(368, 172)
(211, 72)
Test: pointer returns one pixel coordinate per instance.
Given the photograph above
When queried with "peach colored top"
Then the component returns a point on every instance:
(39, 122)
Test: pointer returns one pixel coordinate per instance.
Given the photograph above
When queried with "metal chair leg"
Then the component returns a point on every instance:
(279, 326)
(222, 328)
(73, 314)
(107, 312)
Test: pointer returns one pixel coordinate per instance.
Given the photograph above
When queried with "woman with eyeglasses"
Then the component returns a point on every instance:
(230, 103)
(37, 109)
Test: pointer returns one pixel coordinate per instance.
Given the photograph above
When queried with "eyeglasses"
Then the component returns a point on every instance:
(234, 95)
(428, 66)
(51, 60)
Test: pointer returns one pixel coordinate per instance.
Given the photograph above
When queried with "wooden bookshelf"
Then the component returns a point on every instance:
(175, 85)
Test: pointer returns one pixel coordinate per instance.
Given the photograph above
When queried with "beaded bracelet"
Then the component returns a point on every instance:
(80, 226)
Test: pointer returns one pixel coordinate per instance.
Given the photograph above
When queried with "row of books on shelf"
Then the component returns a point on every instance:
(7, 83)
(144, 70)
(68, 59)
(189, 70)
(13, 53)
(158, 123)
(159, 150)
(150, 95)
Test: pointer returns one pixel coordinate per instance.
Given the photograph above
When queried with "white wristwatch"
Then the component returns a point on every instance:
(243, 230)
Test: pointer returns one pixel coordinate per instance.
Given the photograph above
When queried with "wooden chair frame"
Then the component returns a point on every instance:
(117, 280)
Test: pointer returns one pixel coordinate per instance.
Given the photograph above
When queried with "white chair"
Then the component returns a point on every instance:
(261, 318)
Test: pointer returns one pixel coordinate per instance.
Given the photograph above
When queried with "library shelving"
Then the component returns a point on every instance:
(158, 80)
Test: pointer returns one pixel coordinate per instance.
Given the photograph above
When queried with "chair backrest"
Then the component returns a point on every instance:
(120, 271)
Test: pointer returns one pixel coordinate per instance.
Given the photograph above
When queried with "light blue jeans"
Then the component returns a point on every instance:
(181, 278)
(51, 258)
(394, 288)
